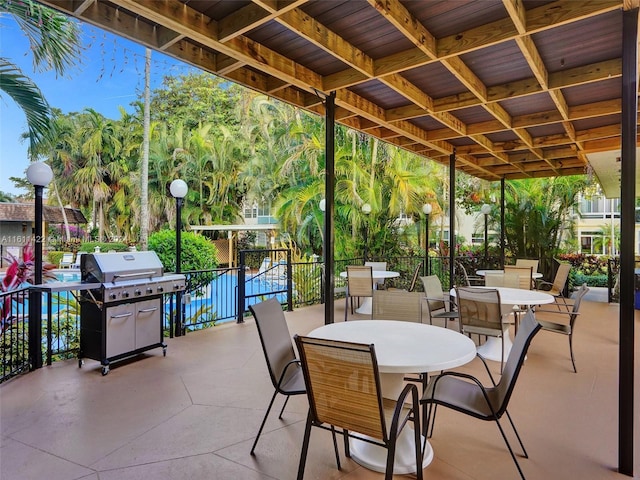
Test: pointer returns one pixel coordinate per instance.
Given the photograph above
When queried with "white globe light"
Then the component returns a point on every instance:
(366, 209)
(178, 188)
(426, 208)
(39, 174)
(322, 204)
(485, 209)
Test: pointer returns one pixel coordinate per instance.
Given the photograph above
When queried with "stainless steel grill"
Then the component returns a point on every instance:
(123, 316)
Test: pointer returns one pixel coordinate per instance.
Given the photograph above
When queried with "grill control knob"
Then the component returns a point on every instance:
(149, 290)
(161, 289)
(137, 292)
(125, 294)
(112, 296)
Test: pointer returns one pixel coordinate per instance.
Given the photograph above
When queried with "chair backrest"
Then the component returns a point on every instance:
(526, 331)
(562, 274)
(582, 291)
(414, 278)
(377, 266)
(462, 273)
(76, 262)
(479, 307)
(433, 291)
(343, 385)
(494, 279)
(518, 277)
(397, 305)
(525, 262)
(274, 337)
(67, 258)
(359, 281)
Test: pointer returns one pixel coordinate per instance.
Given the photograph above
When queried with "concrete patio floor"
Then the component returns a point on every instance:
(194, 414)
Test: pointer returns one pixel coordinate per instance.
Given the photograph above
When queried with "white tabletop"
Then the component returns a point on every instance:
(482, 273)
(404, 347)
(519, 296)
(377, 274)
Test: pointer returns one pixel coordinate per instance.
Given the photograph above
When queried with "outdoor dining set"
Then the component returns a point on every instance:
(377, 378)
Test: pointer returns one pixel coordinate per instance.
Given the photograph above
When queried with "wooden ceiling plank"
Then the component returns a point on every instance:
(533, 58)
(183, 19)
(517, 13)
(242, 21)
(566, 11)
(476, 38)
(408, 90)
(318, 34)
(406, 23)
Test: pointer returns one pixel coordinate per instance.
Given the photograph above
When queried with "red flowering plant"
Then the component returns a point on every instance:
(18, 273)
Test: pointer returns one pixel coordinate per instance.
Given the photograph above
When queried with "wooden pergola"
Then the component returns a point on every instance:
(499, 89)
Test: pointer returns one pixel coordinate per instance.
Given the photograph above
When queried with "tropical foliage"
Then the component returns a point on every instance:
(197, 253)
(19, 272)
(55, 44)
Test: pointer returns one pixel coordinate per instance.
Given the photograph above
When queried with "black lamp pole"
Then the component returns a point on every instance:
(426, 209)
(486, 209)
(366, 209)
(179, 190)
(40, 175)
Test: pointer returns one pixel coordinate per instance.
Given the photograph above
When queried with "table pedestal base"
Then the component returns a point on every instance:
(490, 349)
(366, 307)
(374, 457)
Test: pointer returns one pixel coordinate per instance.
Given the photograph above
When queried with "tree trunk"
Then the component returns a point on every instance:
(144, 170)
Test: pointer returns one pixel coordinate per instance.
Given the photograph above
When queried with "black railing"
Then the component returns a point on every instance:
(14, 341)
(212, 296)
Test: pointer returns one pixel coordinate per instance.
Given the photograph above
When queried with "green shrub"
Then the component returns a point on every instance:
(197, 253)
(590, 280)
(54, 257)
(90, 247)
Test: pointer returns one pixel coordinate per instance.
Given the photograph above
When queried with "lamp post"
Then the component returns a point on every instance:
(486, 210)
(366, 210)
(426, 209)
(178, 189)
(39, 175)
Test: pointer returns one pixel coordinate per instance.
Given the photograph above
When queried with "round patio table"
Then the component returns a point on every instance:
(367, 304)
(509, 297)
(482, 273)
(401, 348)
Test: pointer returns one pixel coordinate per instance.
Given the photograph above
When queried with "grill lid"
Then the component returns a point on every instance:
(120, 266)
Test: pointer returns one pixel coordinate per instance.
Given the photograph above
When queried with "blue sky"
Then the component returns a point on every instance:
(111, 75)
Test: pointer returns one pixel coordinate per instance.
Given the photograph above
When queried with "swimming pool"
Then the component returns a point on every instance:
(217, 302)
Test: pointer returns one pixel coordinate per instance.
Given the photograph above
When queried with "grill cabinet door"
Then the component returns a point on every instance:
(148, 323)
(120, 329)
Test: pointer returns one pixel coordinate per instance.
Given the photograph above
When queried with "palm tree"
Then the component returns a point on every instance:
(55, 44)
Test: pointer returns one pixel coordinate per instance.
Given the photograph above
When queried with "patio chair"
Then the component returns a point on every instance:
(556, 288)
(468, 280)
(284, 368)
(66, 261)
(525, 262)
(466, 394)
(481, 314)
(414, 280)
(563, 322)
(397, 305)
(518, 277)
(439, 305)
(377, 266)
(76, 263)
(345, 392)
(359, 284)
(494, 279)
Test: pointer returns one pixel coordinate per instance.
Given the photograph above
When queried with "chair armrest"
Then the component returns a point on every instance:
(543, 283)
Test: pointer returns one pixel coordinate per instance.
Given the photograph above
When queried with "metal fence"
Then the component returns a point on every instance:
(212, 297)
